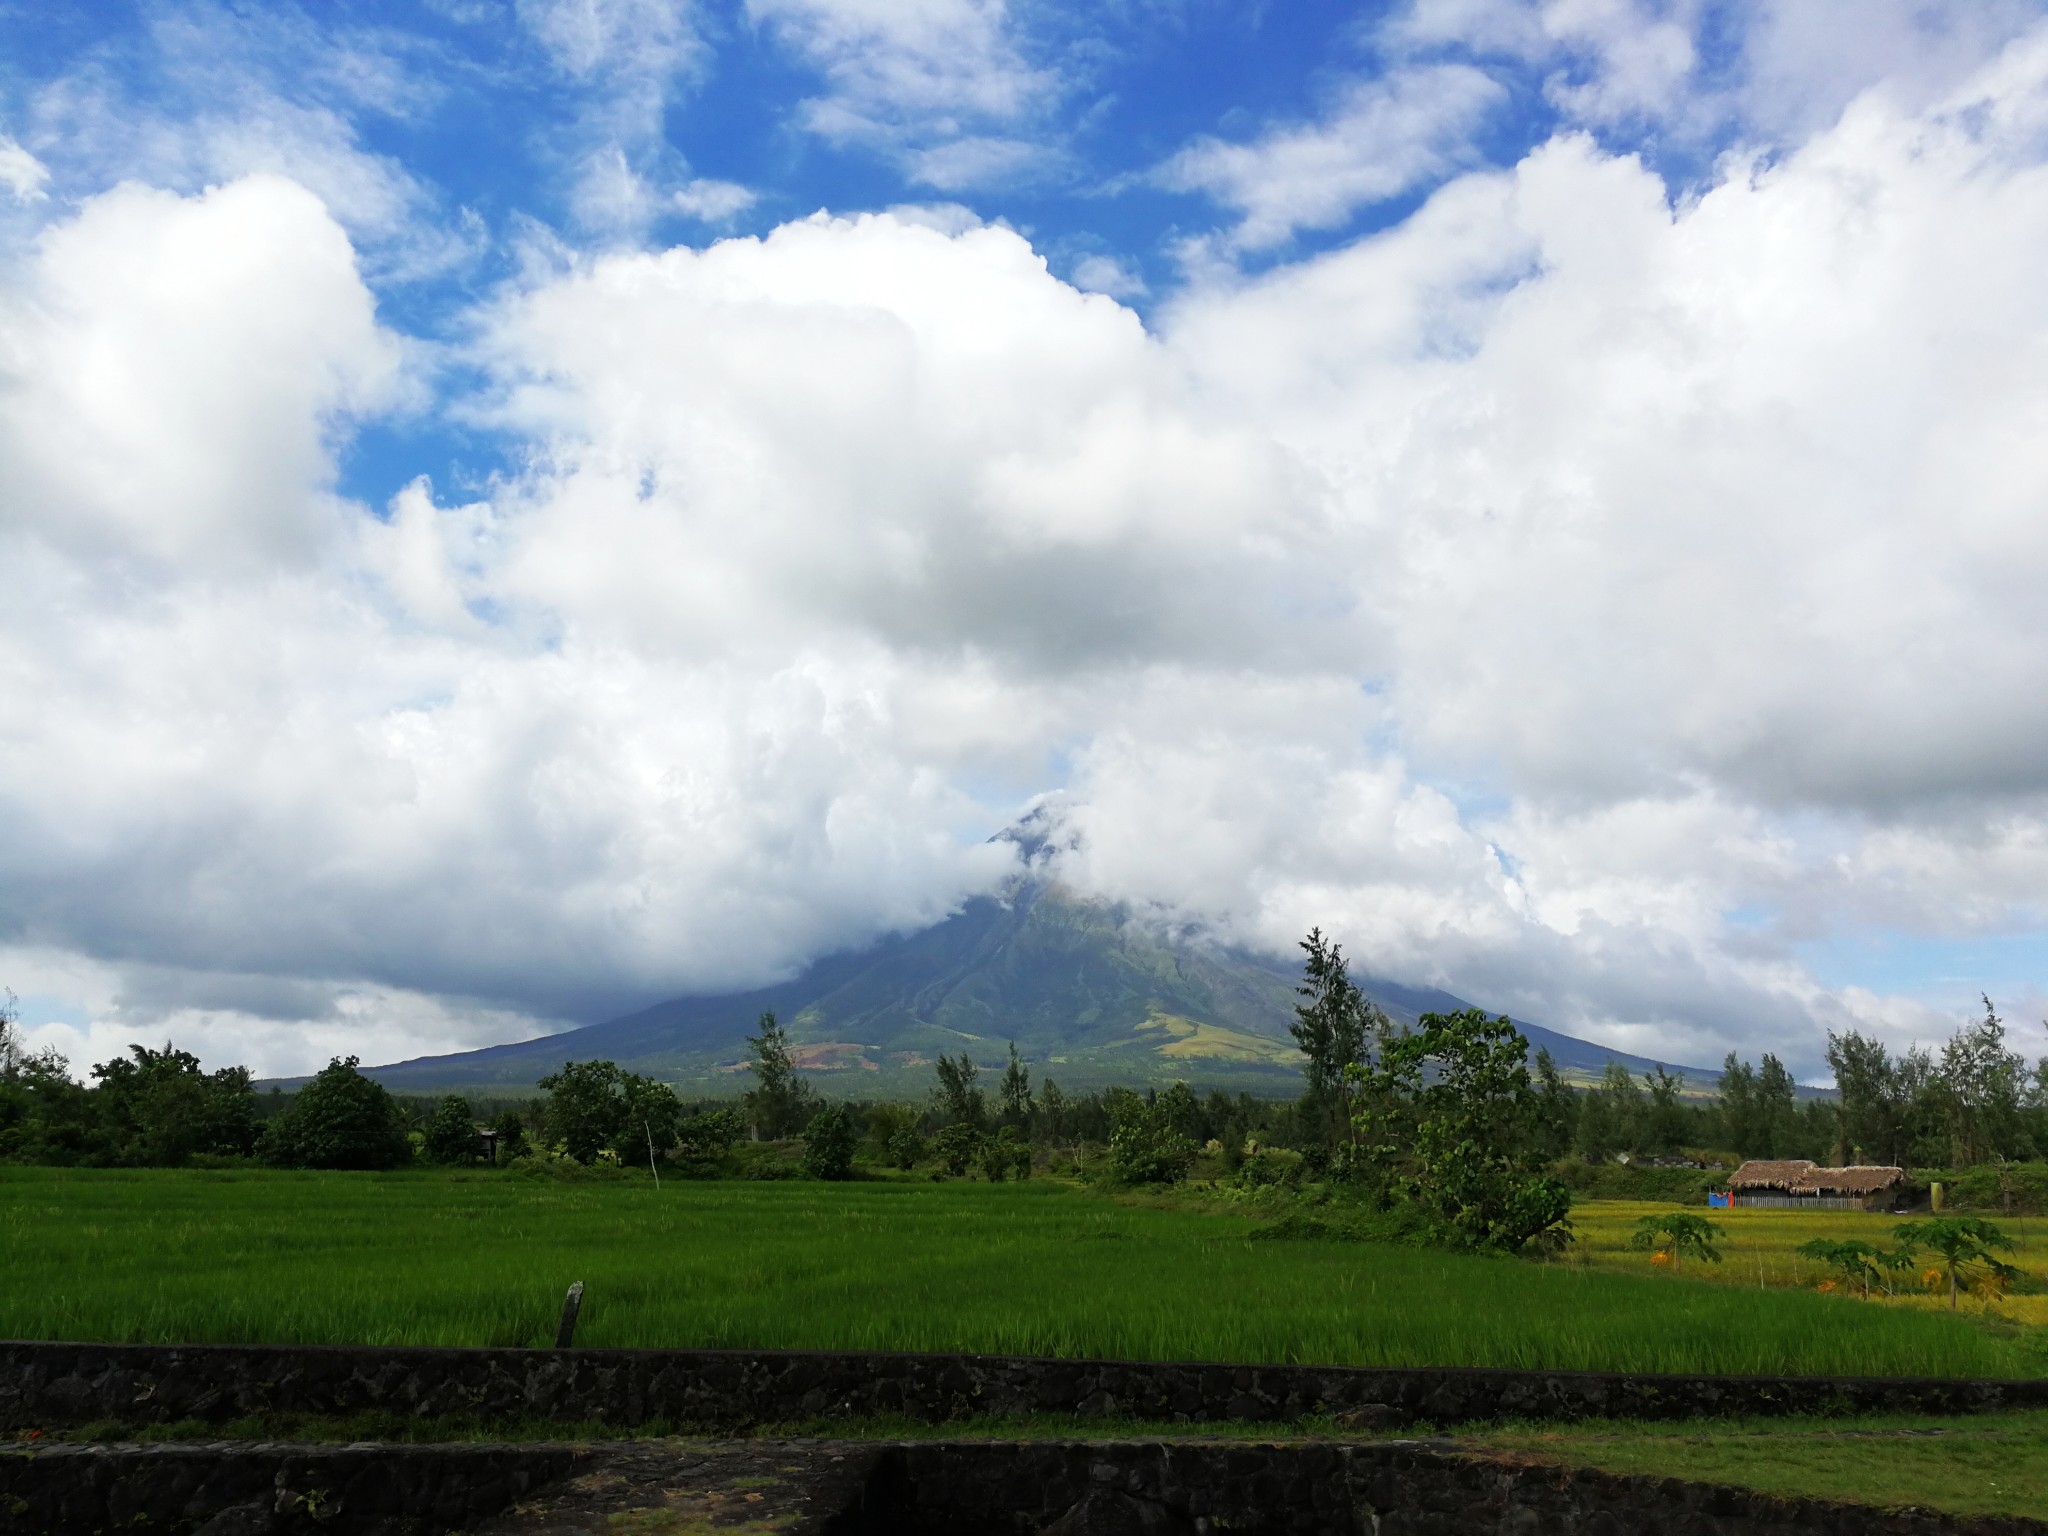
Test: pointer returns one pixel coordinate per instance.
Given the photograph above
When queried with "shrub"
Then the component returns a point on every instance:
(2017, 1189)
(1633, 1181)
(706, 1138)
(1145, 1146)
(828, 1143)
(957, 1146)
(1270, 1168)
(906, 1149)
(885, 1123)
(511, 1134)
(1005, 1153)
(451, 1134)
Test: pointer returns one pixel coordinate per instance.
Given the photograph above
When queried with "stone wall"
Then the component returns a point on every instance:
(855, 1488)
(1191, 1489)
(236, 1489)
(53, 1385)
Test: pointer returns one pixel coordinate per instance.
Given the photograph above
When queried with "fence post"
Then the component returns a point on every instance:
(571, 1305)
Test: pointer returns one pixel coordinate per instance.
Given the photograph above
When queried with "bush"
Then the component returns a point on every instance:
(2022, 1191)
(828, 1143)
(341, 1119)
(1630, 1181)
(1270, 1168)
(906, 1149)
(1146, 1146)
(450, 1136)
(957, 1145)
(885, 1123)
(705, 1140)
(511, 1135)
(1005, 1153)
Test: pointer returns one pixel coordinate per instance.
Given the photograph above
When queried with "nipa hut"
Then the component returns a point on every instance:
(1808, 1186)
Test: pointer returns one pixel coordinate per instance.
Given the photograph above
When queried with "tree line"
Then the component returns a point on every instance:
(1382, 1109)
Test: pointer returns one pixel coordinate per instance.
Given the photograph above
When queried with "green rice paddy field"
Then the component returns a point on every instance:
(1040, 1268)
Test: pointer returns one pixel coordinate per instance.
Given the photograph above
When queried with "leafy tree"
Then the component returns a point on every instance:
(828, 1143)
(1004, 1154)
(1872, 1106)
(1598, 1134)
(511, 1131)
(707, 1137)
(957, 1145)
(1472, 1168)
(1611, 1119)
(1981, 1084)
(45, 1116)
(585, 1108)
(1677, 1233)
(341, 1119)
(1663, 1117)
(1146, 1145)
(158, 1108)
(906, 1148)
(593, 1107)
(1052, 1109)
(1776, 1099)
(1000, 1154)
(1966, 1246)
(958, 1099)
(1180, 1109)
(1337, 1029)
(1016, 1092)
(649, 1118)
(1927, 1144)
(885, 1121)
(1757, 1106)
(451, 1133)
(1557, 1111)
(780, 1102)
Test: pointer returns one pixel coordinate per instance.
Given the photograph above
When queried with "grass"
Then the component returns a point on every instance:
(1988, 1464)
(1760, 1252)
(1044, 1269)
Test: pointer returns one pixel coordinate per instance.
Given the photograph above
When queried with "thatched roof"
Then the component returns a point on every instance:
(1862, 1179)
(1797, 1176)
(1758, 1174)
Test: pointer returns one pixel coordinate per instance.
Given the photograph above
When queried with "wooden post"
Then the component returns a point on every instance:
(571, 1305)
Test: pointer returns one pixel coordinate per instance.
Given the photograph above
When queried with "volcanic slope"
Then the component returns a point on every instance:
(1090, 997)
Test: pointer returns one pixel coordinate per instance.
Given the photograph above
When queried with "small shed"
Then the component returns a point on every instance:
(1795, 1182)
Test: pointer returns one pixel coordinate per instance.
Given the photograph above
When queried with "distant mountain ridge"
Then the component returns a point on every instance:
(1089, 995)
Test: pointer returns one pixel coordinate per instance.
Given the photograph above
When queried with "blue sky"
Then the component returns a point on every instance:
(527, 508)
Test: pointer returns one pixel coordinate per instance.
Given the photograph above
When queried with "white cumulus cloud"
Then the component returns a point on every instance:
(1570, 596)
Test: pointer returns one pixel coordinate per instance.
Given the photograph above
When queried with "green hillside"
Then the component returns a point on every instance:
(1089, 995)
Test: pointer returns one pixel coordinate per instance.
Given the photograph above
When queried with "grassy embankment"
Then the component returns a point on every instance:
(1042, 1268)
(1989, 1464)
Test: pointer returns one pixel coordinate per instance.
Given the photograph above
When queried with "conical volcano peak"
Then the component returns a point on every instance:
(1041, 835)
(1090, 993)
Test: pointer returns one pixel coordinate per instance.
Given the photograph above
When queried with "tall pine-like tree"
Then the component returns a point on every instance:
(1338, 1029)
(780, 1103)
(1016, 1092)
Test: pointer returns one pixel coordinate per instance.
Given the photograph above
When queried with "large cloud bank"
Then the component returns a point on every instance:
(1563, 596)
